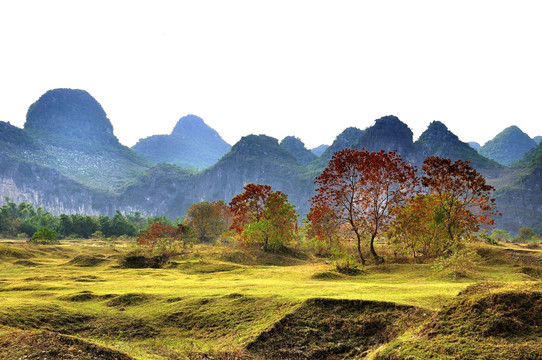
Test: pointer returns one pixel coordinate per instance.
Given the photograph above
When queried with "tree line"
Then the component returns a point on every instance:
(361, 197)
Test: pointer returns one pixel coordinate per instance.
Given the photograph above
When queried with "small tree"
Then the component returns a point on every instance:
(163, 239)
(362, 188)
(263, 216)
(464, 201)
(500, 235)
(418, 229)
(44, 236)
(249, 206)
(209, 219)
(526, 233)
(323, 227)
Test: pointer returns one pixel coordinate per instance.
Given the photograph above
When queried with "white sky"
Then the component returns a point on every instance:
(304, 68)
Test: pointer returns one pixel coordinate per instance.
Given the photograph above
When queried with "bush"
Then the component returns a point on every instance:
(347, 265)
(500, 235)
(527, 234)
(44, 236)
(460, 264)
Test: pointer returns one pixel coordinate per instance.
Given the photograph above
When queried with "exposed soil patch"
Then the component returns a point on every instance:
(143, 262)
(335, 329)
(50, 345)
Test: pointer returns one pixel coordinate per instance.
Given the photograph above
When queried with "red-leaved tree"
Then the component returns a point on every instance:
(465, 201)
(362, 188)
(263, 216)
(249, 206)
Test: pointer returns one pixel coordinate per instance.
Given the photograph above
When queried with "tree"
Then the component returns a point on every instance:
(249, 206)
(463, 195)
(418, 229)
(323, 227)
(164, 238)
(362, 188)
(526, 233)
(44, 236)
(209, 219)
(263, 216)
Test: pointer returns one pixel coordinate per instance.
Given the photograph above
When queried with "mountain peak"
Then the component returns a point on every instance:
(508, 146)
(71, 114)
(189, 123)
(388, 133)
(297, 148)
(437, 140)
(438, 132)
(191, 144)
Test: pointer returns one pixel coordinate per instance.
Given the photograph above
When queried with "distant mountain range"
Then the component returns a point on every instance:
(68, 159)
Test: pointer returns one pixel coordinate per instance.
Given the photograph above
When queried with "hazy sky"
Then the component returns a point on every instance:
(304, 68)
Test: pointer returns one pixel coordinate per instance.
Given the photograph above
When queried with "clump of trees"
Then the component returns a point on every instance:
(377, 193)
(263, 216)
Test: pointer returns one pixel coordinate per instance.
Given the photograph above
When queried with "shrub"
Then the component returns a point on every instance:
(460, 264)
(44, 236)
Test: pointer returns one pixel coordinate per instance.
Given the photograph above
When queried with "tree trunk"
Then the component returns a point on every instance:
(359, 250)
(378, 259)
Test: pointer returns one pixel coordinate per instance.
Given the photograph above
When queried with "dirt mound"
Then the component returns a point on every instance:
(335, 329)
(483, 322)
(85, 296)
(50, 345)
(534, 272)
(87, 260)
(500, 256)
(503, 314)
(26, 263)
(143, 262)
(128, 300)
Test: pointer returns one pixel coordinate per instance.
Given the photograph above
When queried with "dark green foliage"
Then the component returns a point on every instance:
(44, 236)
(508, 146)
(192, 144)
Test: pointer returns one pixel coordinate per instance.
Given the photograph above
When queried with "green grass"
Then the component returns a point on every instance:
(210, 299)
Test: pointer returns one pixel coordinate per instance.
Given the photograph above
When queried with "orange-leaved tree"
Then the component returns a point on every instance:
(209, 219)
(263, 216)
(324, 227)
(464, 197)
(362, 188)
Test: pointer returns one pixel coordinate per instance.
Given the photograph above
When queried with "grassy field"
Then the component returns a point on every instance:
(212, 300)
